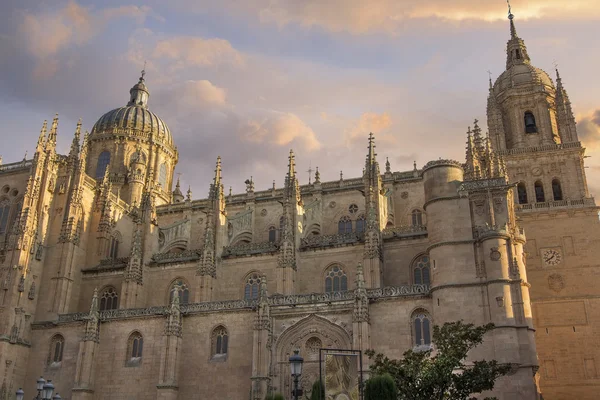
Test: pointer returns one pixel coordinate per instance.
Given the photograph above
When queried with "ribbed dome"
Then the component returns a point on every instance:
(134, 117)
(522, 74)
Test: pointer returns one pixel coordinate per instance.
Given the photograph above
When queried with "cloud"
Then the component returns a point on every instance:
(389, 16)
(195, 51)
(45, 35)
(369, 122)
(281, 129)
(588, 129)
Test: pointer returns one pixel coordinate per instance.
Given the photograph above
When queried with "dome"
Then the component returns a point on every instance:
(522, 74)
(134, 118)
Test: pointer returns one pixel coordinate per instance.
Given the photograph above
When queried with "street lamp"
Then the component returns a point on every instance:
(40, 386)
(20, 394)
(48, 390)
(296, 369)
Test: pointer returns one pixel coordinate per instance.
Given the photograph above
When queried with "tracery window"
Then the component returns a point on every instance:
(162, 176)
(272, 234)
(109, 299)
(184, 291)
(417, 217)
(421, 271)
(4, 213)
(352, 208)
(522, 193)
(103, 161)
(556, 190)
(539, 192)
(421, 328)
(335, 279)
(361, 224)
(530, 126)
(135, 346)
(57, 345)
(219, 341)
(252, 286)
(345, 225)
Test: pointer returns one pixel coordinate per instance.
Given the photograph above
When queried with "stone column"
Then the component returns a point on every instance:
(85, 369)
(167, 388)
(262, 342)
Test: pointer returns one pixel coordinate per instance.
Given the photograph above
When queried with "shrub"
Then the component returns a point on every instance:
(275, 396)
(381, 387)
(318, 391)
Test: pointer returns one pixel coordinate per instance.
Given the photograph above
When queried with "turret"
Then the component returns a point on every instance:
(567, 128)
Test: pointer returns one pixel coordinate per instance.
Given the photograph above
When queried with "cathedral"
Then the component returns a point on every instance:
(116, 285)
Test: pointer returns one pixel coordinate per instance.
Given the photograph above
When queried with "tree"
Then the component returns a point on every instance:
(381, 387)
(443, 374)
(275, 396)
(317, 391)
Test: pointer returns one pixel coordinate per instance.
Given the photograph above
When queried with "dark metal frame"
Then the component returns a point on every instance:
(343, 352)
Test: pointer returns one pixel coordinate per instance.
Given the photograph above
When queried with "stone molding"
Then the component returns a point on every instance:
(323, 241)
(177, 257)
(250, 249)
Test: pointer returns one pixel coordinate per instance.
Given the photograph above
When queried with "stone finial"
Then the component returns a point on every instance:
(388, 169)
(317, 176)
(189, 193)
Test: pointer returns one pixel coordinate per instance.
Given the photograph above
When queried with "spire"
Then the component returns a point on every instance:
(567, 128)
(177, 195)
(92, 332)
(516, 52)
(138, 94)
(173, 323)
(42, 137)
(470, 156)
(371, 155)
(216, 186)
(477, 138)
(317, 176)
(51, 140)
(74, 152)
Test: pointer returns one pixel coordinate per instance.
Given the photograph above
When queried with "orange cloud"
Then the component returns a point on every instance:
(194, 51)
(281, 129)
(588, 129)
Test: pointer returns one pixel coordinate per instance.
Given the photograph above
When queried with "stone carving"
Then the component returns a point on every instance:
(319, 241)
(495, 254)
(248, 249)
(404, 195)
(556, 282)
(263, 212)
(332, 204)
(177, 234)
(402, 231)
(177, 257)
(241, 222)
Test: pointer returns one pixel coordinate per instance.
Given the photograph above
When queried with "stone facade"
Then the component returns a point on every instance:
(115, 287)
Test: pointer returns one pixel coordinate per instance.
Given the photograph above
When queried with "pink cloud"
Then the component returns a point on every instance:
(195, 51)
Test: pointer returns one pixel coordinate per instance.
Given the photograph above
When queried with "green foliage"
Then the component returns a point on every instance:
(443, 375)
(381, 387)
(275, 396)
(318, 391)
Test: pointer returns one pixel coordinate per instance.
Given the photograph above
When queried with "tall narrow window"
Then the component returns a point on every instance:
(57, 344)
(421, 271)
(4, 213)
(417, 218)
(422, 328)
(109, 299)
(336, 280)
(252, 286)
(103, 161)
(135, 346)
(522, 193)
(556, 190)
(219, 341)
(518, 54)
(530, 126)
(184, 291)
(361, 224)
(345, 225)
(272, 234)
(113, 251)
(162, 176)
(539, 192)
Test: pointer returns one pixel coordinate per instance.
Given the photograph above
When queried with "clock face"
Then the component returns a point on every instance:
(551, 256)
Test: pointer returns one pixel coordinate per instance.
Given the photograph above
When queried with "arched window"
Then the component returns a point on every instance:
(162, 176)
(422, 328)
(530, 126)
(109, 299)
(421, 271)
(272, 234)
(184, 291)
(57, 345)
(252, 286)
(113, 251)
(103, 161)
(556, 190)
(417, 218)
(4, 213)
(361, 224)
(219, 341)
(539, 192)
(345, 225)
(135, 346)
(335, 280)
(522, 193)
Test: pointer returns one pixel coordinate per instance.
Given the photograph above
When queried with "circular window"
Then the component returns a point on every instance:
(14, 192)
(353, 209)
(5, 189)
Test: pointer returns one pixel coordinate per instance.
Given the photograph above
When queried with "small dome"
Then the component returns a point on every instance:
(135, 120)
(522, 74)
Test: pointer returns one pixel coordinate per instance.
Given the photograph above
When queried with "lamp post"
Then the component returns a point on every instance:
(296, 369)
(45, 390)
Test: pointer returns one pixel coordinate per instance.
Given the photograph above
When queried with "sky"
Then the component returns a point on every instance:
(250, 80)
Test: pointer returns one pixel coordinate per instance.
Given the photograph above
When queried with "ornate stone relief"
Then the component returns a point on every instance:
(174, 235)
(556, 282)
(495, 254)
